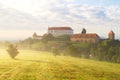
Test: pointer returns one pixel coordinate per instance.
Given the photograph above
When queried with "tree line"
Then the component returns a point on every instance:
(105, 50)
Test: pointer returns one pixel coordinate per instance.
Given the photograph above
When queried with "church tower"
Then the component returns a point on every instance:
(34, 36)
(111, 35)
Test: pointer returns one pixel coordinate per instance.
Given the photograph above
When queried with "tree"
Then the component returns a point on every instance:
(27, 42)
(71, 51)
(62, 38)
(83, 31)
(107, 50)
(55, 51)
(47, 37)
(12, 51)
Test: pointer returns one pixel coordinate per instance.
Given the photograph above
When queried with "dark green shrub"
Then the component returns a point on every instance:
(12, 51)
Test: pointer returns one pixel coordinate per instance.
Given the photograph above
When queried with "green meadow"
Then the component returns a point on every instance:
(37, 65)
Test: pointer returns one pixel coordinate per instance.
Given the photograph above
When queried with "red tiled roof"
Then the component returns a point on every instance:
(91, 35)
(59, 28)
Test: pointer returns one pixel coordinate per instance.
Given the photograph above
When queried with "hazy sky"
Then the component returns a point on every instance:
(19, 19)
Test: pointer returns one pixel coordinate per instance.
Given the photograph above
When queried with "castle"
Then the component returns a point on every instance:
(83, 37)
(90, 37)
(59, 31)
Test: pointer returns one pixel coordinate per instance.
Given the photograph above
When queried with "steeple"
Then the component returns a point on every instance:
(34, 35)
(111, 35)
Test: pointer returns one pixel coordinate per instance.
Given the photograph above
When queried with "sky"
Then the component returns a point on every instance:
(19, 19)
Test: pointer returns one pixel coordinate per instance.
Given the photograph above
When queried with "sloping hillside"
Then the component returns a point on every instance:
(35, 65)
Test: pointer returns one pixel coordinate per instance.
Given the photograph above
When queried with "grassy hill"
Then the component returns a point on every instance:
(36, 65)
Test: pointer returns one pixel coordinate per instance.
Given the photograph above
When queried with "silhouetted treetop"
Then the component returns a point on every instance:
(83, 31)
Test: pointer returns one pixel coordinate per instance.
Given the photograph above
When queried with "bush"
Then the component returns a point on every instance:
(12, 51)
(55, 52)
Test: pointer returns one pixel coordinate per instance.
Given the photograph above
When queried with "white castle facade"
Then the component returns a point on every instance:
(59, 31)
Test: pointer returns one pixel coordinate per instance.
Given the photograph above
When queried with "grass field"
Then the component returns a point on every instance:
(36, 65)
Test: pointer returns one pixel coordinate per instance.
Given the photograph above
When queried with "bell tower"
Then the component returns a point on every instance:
(111, 35)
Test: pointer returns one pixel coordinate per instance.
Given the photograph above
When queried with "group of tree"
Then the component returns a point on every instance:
(105, 50)
(47, 42)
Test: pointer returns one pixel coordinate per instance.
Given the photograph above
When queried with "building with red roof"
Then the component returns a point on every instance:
(91, 37)
(59, 31)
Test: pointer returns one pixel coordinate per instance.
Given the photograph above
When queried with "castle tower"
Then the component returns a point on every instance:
(111, 35)
(34, 35)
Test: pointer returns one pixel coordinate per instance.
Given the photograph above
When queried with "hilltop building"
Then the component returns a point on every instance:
(91, 37)
(59, 31)
(82, 37)
(35, 36)
(85, 37)
(111, 35)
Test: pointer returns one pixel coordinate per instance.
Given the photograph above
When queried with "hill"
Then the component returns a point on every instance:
(36, 65)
